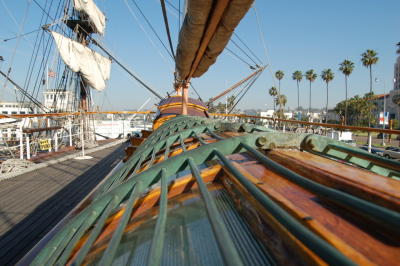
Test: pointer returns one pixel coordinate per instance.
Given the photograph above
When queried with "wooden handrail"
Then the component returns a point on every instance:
(40, 129)
(336, 126)
(18, 116)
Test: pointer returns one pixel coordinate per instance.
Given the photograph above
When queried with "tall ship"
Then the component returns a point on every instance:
(203, 188)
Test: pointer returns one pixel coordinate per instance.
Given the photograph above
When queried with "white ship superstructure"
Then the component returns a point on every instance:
(115, 126)
(59, 101)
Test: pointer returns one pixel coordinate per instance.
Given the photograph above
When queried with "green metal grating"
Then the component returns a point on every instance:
(125, 186)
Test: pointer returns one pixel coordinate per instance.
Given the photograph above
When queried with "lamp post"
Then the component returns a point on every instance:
(384, 109)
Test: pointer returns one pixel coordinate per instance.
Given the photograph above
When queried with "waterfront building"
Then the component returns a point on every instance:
(396, 77)
(13, 108)
(268, 113)
(390, 101)
(8, 126)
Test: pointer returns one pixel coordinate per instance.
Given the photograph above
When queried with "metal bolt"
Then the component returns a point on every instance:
(261, 141)
(272, 145)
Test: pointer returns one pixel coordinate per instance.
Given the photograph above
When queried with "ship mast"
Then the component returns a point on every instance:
(89, 20)
(92, 68)
(83, 92)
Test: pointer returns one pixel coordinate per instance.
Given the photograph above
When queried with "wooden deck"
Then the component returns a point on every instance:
(33, 203)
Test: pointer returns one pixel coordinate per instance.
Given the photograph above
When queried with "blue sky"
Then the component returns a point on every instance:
(300, 35)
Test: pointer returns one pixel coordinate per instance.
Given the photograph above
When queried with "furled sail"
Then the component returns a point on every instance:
(194, 27)
(94, 68)
(96, 17)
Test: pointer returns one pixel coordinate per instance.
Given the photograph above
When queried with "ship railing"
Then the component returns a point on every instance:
(298, 126)
(37, 134)
(30, 142)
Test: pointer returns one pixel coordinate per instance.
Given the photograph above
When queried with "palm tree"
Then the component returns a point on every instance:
(273, 92)
(281, 100)
(327, 75)
(279, 75)
(368, 59)
(297, 76)
(347, 68)
(310, 76)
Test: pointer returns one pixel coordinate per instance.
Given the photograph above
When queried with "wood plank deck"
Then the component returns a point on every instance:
(33, 203)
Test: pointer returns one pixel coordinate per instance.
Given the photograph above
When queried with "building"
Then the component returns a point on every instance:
(268, 113)
(390, 101)
(391, 106)
(385, 102)
(380, 101)
(8, 126)
(13, 108)
(288, 115)
(332, 116)
(397, 70)
(393, 103)
(314, 117)
(59, 101)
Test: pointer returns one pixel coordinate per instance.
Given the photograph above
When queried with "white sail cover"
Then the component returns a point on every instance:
(96, 17)
(94, 68)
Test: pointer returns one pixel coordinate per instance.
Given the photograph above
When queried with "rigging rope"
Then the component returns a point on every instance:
(164, 12)
(244, 52)
(24, 92)
(167, 29)
(261, 33)
(33, 31)
(179, 15)
(244, 93)
(46, 49)
(125, 68)
(191, 85)
(43, 62)
(238, 57)
(21, 35)
(245, 45)
(147, 35)
(243, 89)
(113, 57)
(34, 56)
(152, 29)
(177, 9)
(21, 27)
(228, 49)
(50, 17)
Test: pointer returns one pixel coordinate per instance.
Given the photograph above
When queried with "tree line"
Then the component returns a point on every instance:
(368, 59)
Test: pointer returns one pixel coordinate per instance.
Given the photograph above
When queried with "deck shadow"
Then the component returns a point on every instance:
(24, 235)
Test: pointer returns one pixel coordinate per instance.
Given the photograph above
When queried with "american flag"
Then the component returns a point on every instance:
(51, 74)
